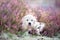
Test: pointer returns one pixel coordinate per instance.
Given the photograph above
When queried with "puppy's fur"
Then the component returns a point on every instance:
(38, 27)
(28, 21)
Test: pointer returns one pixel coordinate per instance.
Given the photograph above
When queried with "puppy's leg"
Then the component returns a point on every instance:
(38, 32)
(42, 25)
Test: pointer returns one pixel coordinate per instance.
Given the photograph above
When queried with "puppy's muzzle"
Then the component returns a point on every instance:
(29, 23)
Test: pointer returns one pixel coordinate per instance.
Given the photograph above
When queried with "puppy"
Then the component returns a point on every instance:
(28, 21)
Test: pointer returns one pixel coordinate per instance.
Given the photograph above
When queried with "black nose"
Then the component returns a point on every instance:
(29, 23)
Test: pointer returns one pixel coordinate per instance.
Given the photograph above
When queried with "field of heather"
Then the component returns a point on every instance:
(12, 11)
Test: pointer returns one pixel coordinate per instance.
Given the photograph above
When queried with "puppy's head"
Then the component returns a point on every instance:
(28, 20)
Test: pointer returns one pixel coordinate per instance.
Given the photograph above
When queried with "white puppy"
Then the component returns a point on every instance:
(39, 27)
(28, 20)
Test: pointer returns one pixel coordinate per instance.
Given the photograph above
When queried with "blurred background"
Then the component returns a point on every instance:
(45, 3)
(12, 11)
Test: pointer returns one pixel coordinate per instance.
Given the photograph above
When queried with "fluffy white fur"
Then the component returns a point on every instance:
(28, 20)
(31, 21)
(39, 27)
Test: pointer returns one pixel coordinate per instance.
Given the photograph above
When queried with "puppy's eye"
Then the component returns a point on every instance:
(31, 20)
(27, 19)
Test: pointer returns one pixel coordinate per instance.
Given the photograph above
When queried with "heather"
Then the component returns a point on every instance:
(12, 11)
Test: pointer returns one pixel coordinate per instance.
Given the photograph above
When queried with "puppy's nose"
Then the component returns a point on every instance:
(29, 23)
